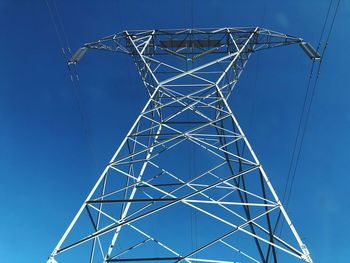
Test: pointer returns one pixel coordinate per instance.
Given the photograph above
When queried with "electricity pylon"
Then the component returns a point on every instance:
(139, 207)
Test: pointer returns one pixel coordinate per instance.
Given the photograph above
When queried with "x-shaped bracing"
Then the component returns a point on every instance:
(189, 75)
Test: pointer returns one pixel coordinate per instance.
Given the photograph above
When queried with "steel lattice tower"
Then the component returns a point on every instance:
(138, 208)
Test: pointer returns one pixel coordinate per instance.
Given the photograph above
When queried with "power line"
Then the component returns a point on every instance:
(60, 21)
(299, 129)
(305, 114)
(311, 100)
(58, 26)
(63, 41)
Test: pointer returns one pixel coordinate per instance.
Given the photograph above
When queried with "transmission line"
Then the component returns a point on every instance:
(305, 114)
(312, 96)
(63, 41)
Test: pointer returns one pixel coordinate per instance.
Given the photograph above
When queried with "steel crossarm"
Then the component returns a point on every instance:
(266, 39)
(149, 43)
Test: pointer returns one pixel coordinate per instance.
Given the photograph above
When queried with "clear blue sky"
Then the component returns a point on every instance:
(48, 163)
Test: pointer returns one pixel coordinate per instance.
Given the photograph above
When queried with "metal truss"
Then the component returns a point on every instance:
(189, 75)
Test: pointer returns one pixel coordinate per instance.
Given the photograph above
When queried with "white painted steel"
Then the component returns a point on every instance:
(224, 53)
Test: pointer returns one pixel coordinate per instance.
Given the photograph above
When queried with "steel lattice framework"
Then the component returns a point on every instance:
(189, 75)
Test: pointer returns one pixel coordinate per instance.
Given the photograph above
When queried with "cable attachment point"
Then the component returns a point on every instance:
(310, 51)
(77, 55)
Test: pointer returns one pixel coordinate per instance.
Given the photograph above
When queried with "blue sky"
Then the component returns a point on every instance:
(50, 158)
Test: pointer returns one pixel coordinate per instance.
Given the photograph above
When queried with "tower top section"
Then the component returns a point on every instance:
(192, 44)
